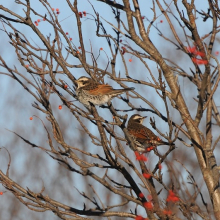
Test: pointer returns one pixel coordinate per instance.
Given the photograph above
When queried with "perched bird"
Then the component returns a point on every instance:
(143, 137)
(89, 91)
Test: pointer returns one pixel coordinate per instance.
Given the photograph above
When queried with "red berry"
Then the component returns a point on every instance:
(147, 175)
(80, 14)
(60, 107)
(167, 212)
(141, 195)
(143, 158)
(139, 217)
(1, 193)
(123, 50)
(148, 205)
(149, 197)
(172, 197)
(191, 49)
(199, 61)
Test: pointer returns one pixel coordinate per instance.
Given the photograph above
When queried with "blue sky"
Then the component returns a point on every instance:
(16, 111)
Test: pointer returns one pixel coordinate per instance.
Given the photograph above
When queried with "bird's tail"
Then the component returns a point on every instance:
(166, 143)
(120, 91)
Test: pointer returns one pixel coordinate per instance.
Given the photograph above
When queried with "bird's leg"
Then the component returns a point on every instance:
(90, 107)
(108, 106)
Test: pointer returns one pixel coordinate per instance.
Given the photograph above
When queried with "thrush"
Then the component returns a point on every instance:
(89, 91)
(143, 137)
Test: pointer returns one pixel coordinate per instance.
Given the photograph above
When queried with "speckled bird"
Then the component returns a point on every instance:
(143, 137)
(89, 91)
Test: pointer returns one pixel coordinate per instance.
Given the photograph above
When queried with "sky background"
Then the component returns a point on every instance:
(15, 104)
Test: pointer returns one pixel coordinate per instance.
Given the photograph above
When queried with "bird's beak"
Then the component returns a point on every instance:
(142, 119)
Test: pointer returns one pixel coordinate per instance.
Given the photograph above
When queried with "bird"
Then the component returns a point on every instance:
(143, 137)
(89, 91)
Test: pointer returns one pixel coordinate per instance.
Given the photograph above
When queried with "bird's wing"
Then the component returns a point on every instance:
(139, 135)
(144, 134)
(100, 89)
